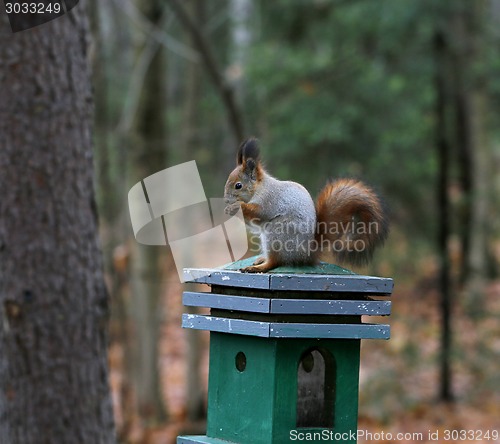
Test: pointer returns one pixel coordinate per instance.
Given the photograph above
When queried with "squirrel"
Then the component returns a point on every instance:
(348, 220)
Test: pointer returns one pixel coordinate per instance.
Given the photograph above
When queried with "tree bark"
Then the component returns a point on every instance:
(53, 341)
(149, 155)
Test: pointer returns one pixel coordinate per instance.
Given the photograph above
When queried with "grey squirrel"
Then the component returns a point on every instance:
(348, 220)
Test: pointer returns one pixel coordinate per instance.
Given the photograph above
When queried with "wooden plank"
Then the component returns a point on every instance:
(332, 331)
(330, 307)
(226, 325)
(285, 330)
(293, 318)
(226, 302)
(331, 283)
(200, 440)
(286, 306)
(226, 278)
(291, 281)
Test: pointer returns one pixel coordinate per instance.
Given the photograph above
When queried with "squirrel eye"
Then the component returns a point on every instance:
(238, 185)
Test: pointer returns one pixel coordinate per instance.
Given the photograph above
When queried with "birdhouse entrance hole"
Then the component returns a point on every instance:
(241, 361)
(316, 377)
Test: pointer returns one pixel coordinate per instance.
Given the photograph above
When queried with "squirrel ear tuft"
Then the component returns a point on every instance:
(249, 149)
(250, 168)
(239, 157)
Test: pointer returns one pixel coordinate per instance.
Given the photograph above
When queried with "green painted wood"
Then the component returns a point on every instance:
(259, 404)
(321, 268)
(240, 404)
(295, 294)
(264, 327)
(284, 318)
(347, 357)
(321, 277)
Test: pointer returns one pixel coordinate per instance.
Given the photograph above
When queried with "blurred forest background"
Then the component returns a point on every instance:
(404, 94)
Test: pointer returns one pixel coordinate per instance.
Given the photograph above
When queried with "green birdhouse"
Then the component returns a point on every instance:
(285, 351)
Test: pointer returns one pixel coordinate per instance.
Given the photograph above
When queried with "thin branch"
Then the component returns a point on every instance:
(136, 84)
(224, 89)
(149, 50)
(216, 21)
(150, 29)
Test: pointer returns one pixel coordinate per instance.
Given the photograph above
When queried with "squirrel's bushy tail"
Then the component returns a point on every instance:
(351, 221)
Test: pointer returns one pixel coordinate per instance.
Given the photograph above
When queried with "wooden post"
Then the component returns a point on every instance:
(284, 350)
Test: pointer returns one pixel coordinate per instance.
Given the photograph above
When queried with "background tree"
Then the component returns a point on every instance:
(334, 88)
(443, 146)
(147, 145)
(190, 140)
(53, 342)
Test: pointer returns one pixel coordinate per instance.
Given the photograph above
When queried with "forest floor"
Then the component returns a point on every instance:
(399, 378)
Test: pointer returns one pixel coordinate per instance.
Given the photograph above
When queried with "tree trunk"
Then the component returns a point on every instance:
(107, 31)
(473, 146)
(242, 36)
(443, 202)
(148, 157)
(479, 225)
(190, 141)
(53, 363)
(146, 312)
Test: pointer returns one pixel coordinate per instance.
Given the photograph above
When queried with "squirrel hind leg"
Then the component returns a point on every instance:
(261, 265)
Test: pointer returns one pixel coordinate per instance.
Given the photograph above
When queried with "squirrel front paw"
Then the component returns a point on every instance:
(232, 209)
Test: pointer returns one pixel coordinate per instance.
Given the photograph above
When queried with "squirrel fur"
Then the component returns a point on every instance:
(347, 222)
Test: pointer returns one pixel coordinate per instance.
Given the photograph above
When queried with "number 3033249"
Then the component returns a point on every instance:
(32, 8)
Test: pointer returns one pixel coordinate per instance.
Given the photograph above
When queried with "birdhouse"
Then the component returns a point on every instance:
(284, 350)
